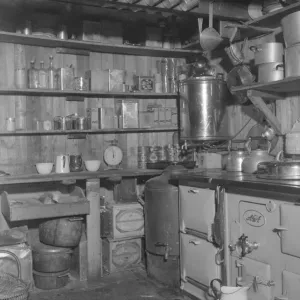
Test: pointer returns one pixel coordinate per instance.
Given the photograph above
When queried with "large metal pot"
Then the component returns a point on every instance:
(290, 26)
(162, 228)
(292, 60)
(255, 157)
(268, 53)
(62, 232)
(203, 103)
(51, 259)
(270, 72)
(235, 159)
(50, 281)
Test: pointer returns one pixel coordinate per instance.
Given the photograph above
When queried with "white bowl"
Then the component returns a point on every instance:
(44, 168)
(92, 165)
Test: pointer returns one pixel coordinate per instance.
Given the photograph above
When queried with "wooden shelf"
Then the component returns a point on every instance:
(32, 178)
(281, 87)
(88, 94)
(273, 19)
(15, 38)
(75, 132)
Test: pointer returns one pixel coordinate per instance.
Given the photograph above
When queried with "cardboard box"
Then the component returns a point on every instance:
(66, 78)
(116, 80)
(128, 110)
(93, 117)
(144, 83)
(91, 31)
(106, 80)
(98, 80)
(111, 32)
(107, 118)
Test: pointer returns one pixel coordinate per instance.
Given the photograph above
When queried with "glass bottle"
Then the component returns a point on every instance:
(43, 77)
(33, 76)
(52, 76)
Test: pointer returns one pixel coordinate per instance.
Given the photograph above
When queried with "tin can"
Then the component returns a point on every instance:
(153, 154)
(59, 123)
(161, 153)
(143, 153)
(82, 123)
(80, 84)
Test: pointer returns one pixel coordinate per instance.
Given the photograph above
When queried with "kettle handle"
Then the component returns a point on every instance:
(269, 146)
(279, 156)
(216, 294)
(248, 145)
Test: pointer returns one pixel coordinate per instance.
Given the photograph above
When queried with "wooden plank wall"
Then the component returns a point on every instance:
(20, 154)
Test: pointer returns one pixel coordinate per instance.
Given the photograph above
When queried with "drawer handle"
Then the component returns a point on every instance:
(195, 242)
(279, 229)
(193, 191)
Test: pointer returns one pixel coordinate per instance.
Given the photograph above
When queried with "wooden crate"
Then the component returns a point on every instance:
(26, 205)
(122, 220)
(119, 255)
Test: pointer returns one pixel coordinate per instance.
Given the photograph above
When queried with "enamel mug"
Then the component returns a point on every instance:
(62, 164)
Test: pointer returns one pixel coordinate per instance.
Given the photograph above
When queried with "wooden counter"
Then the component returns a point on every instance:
(30, 178)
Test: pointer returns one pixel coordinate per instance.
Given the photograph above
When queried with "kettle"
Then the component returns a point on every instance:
(249, 164)
(62, 164)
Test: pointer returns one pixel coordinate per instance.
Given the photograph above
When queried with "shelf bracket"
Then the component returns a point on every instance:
(268, 95)
(262, 106)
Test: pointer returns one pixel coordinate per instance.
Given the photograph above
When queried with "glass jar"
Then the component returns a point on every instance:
(10, 124)
(153, 154)
(52, 75)
(43, 77)
(33, 76)
(20, 78)
(80, 84)
(21, 121)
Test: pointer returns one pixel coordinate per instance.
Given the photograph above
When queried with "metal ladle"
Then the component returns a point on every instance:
(210, 39)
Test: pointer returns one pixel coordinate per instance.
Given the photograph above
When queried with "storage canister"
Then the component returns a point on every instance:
(153, 154)
(268, 53)
(292, 61)
(50, 259)
(270, 72)
(290, 27)
(50, 281)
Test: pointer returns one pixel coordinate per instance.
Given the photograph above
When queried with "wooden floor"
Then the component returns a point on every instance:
(128, 285)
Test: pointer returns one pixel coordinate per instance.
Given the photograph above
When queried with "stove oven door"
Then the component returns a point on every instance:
(198, 264)
(197, 209)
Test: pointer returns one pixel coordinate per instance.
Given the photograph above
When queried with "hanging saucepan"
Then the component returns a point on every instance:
(210, 39)
(240, 75)
(290, 27)
(268, 53)
(270, 72)
(235, 51)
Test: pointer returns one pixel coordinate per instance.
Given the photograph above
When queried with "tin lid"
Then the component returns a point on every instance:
(42, 248)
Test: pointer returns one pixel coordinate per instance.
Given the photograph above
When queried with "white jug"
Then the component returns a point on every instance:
(62, 164)
(229, 292)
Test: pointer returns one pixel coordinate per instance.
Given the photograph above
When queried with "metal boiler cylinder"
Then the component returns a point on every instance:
(203, 108)
(162, 228)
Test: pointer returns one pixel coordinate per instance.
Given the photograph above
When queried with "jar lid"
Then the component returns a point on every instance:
(42, 248)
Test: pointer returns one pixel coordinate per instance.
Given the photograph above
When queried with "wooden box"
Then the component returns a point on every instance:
(27, 206)
(98, 80)
(119, 255)
(122, 220)
(91, 31)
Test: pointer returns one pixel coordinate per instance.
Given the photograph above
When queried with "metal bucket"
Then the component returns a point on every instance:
(202, 109)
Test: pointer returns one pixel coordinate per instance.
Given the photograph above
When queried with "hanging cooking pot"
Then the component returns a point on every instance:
(249, 164)
(290, 27)
(292, 62)
(268, 53)
(61, 232)
(270, 72)
(235, 158)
